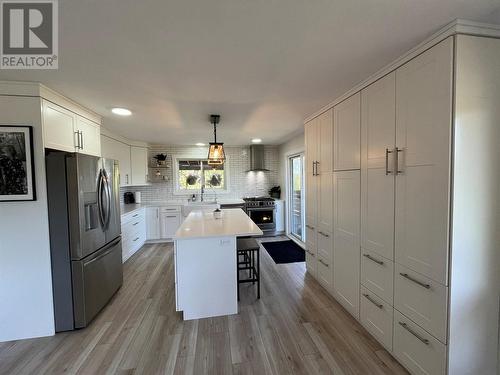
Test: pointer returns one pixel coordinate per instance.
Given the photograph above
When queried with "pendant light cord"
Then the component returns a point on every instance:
(215, 132)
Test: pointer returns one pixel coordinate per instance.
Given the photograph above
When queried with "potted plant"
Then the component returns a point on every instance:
(191, 179)
(160, 159)
(275, 192)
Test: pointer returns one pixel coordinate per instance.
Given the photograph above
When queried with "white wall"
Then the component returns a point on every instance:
(295, 145)
(241, 183)
(26, 308)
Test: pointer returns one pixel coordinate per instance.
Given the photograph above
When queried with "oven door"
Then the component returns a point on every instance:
(264, 217)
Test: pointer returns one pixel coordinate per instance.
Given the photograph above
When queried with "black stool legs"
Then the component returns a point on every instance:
(248, 258)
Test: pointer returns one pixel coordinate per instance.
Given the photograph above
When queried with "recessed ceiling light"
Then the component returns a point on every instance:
(256, 140)
(200, 144)
(121, 111)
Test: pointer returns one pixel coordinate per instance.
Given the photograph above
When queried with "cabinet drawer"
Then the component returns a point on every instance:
(376, 316)
(325, 273)
(325, 246)
(311, 234)
(377, 274)
(170, 209)
(311, 261)
(422, 300)
(416, 349)
(137, 215)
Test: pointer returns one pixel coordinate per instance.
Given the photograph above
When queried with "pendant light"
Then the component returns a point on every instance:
(216, 155)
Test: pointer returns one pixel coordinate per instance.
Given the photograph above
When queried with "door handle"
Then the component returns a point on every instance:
(317, 173)
(387, 152)
(424, 285)
(398, 150)
(405, 326)
(77, 141)
(314, 168)
(81, 135)
(367, 296)
(368, 256)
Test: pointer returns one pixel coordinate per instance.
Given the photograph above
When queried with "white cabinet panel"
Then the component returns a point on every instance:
(378, 104)
(423, 132)
(377, 274)
(325, 208)
(120, 151)
(90, 136)
(376, 316)
(422, 300)
(169, 223)
(418, 351)
(152, 223)
(325, 274)
(312, 184)
(311, 261)
(346, 254)
(325, 246)
(138, 165)
(347, 124)
(325, 142)
(58, 127)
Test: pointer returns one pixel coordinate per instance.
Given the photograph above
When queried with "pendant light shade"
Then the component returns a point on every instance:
(216, 154)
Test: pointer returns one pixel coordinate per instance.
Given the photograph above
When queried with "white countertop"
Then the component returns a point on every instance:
(202, 224)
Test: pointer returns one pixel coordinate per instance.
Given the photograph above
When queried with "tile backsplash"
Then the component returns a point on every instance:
(241, 183)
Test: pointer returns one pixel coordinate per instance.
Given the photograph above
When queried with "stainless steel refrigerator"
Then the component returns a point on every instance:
(85, 235)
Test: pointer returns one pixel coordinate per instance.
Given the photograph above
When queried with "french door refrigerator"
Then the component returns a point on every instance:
(85, 235)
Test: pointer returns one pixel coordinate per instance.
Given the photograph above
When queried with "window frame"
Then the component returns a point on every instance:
(179, 191)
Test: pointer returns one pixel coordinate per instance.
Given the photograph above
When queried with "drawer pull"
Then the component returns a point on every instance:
(136, 239)
(406, 276)
(135, 223)
(135, 215)
(405, 326)
(310, 227)
(324, 234)
(171, 216)
(310, 253)
(323, 263)
(367, 296)
(368, 256)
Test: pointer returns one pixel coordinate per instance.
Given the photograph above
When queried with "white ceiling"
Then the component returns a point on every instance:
(263, 65)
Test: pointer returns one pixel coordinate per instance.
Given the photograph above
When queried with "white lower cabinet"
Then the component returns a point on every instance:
(416, 349)
(133, 232)
(376, 316)
(169, 223)
(377, 275)
(162, 222)
(324, 260)
(152, 223)
(422, 300)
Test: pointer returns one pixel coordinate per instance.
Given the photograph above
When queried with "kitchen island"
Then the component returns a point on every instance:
(205, 262)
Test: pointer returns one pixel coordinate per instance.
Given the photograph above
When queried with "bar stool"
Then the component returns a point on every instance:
(248, 258)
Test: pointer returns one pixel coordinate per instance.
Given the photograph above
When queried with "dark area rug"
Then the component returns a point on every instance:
(285, 251)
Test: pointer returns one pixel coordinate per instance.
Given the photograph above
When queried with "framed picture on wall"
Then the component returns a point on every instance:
(17, 173)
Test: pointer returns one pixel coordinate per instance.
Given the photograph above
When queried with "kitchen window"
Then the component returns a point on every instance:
(192, 174)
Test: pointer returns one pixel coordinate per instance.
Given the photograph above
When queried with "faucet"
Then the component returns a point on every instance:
(202, 192)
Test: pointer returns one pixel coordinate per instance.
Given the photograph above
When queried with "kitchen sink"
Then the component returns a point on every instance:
(193, 206)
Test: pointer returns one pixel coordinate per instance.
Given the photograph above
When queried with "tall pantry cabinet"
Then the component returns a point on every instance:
(415, 207)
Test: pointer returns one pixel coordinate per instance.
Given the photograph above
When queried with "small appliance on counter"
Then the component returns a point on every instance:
(137, 197)
(128, 197)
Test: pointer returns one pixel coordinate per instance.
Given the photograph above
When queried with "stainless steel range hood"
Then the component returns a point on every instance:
(257, 160)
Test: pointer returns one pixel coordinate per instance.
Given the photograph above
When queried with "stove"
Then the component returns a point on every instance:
(262, 210)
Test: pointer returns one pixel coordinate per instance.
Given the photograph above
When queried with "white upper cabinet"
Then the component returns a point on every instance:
(89, 141)
(67, 131)
(325, 142)
(58, 127)
(139, 165)
(113, 149)
(423, 132)
(346, 242)
(346, 134)
(378, 135)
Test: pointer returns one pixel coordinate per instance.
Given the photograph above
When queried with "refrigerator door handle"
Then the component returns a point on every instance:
(100, 185)
(108, 199)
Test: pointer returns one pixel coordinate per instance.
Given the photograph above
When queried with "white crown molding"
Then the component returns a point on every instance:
(35, 89)
(458, 26)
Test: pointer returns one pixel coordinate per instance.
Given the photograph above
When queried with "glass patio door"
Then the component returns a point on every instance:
(296, 197)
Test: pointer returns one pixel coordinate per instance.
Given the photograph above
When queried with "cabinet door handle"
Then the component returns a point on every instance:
(126, 176)
(136, 239)
(135, 223)
(310, 253)
(424, 285)
(317, 173)
(323, 263)
(135, 215)
(398, 150)
(405, 326)
(77, 141)
(368, 256)
(314, 168)
(387, 152)
(310, 227)
(367, 296)
(324, 234)
(81, 135)
(171, 216)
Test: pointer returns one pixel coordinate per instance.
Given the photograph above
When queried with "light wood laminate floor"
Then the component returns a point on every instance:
(295, 328)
